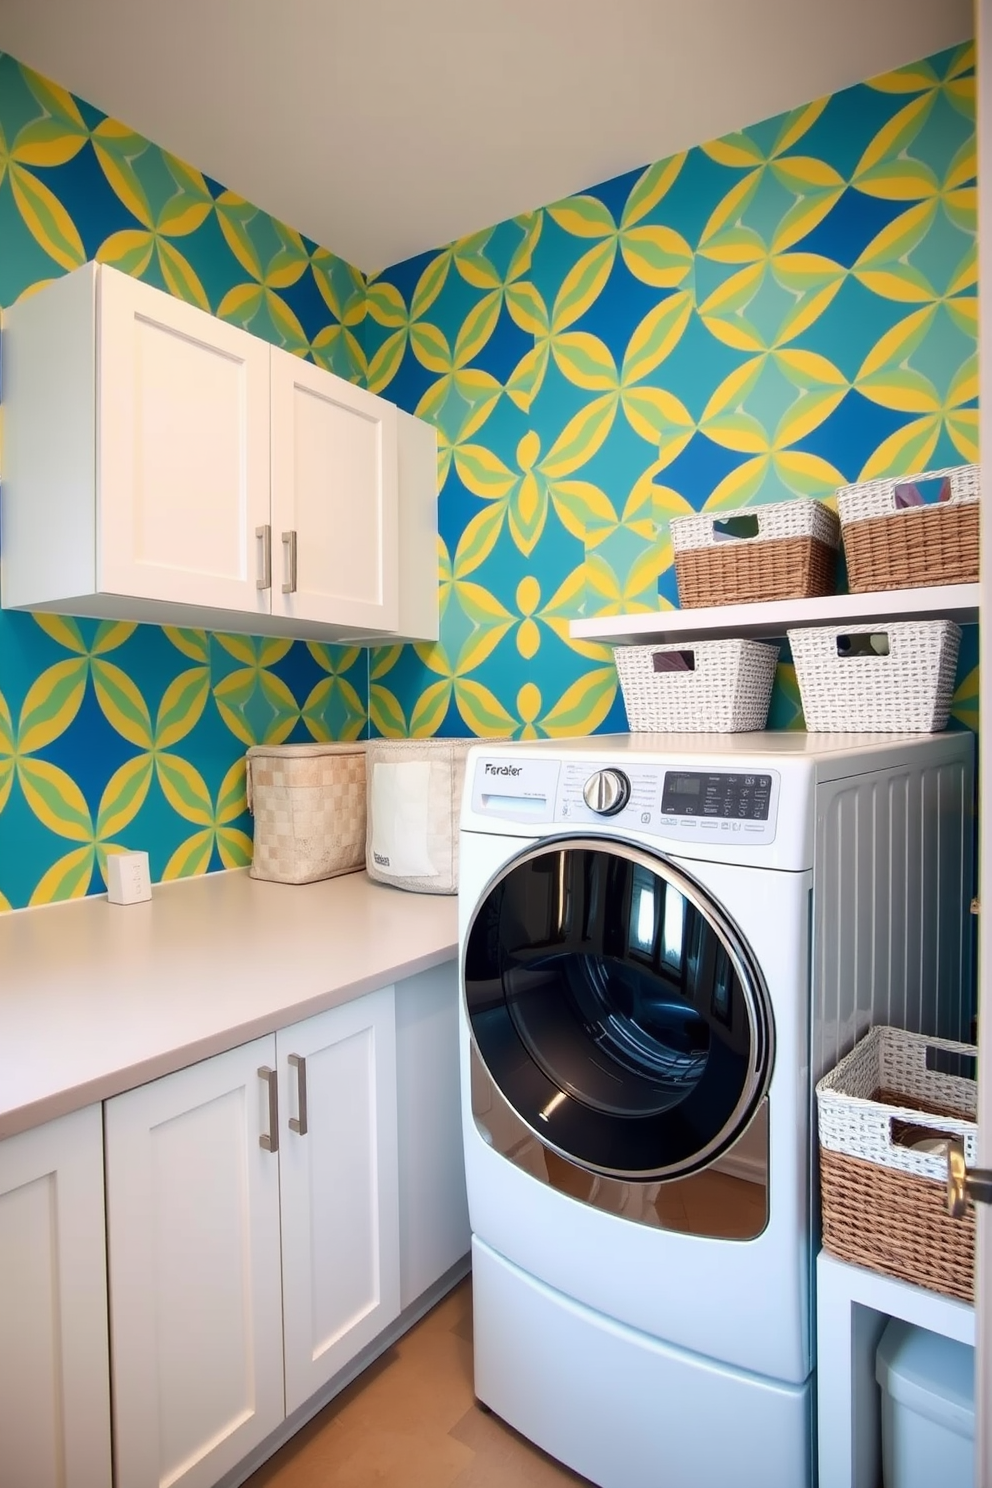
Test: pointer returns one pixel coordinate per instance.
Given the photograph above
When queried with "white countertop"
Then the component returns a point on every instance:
(96, 998)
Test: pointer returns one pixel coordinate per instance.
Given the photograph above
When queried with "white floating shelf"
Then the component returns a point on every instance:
(947, 601)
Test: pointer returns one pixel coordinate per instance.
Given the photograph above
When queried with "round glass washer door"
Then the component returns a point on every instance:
(616, 1009)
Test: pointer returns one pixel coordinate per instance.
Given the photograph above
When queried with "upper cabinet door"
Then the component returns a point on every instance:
(334, 499)
(182, 451)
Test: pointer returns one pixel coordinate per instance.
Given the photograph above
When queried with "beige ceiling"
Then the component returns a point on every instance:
(382, 128)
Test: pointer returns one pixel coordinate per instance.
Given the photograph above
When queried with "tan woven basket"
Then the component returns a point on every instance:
(715, 687)
(889, 546)
(882, 1201)
(792, 554)
(309, 806)
(906, 689)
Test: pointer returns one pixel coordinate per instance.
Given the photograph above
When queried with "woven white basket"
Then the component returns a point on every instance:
(777, 520)
(308, 802)
(853, 1122)
(728, 691)
(877, 498)
(907, 691)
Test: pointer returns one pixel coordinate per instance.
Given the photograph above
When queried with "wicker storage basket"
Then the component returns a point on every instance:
(414, 798)
(847, 687)
(308, 802)
(710, 687)
(792, 555)
(883, 1203)
(889, 545)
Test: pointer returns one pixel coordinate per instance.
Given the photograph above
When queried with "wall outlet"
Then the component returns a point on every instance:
(128, 878)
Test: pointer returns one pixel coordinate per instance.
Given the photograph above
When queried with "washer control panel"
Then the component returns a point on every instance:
(702, 806)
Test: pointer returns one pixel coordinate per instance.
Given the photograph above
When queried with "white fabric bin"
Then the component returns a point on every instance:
(928, 1408)
(414, 796)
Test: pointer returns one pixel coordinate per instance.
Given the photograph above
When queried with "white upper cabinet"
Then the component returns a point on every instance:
(182, 450)
(334, 499)
(163, 465)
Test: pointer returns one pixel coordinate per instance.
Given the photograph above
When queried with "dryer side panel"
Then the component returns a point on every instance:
(892, 883)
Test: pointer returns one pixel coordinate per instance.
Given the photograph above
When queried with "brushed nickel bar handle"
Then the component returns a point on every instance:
(265, 533)
(289, 541)
(269, 1141)
(299, 1124)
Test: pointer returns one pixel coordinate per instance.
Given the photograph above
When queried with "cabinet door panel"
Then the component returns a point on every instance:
(183, 450)
(193, 1219)
(339, 1190)
(334, 483)
(54, 1369)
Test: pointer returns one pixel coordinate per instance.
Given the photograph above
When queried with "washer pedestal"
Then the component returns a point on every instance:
(614, 1404)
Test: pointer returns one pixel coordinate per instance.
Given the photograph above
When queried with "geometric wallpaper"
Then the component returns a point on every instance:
(774, 313)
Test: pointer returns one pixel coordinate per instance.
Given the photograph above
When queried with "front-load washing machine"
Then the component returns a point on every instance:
(665, 939)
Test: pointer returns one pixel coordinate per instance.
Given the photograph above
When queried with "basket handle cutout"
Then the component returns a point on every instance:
(951, 1062)
(908, 1135)
(674, 661)
(922, 492)
(734, 529)
(863, 643)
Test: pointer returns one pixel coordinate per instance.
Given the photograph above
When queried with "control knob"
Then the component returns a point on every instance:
(606, 792)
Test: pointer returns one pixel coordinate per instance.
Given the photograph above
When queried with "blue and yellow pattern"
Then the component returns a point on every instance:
(773, 313)
(120, 736)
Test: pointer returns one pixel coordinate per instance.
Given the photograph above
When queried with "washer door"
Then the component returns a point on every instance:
(616, 1009)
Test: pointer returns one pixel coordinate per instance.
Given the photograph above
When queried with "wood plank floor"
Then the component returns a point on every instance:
(411, 1421)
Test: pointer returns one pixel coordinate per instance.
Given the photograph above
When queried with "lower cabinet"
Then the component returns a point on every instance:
(54, 1396)
(253, 1236)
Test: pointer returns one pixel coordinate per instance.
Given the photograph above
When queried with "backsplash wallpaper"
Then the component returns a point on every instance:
(773, 313)
(124, 736)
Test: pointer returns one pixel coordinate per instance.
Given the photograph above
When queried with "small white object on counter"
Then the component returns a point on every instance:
(128, 878)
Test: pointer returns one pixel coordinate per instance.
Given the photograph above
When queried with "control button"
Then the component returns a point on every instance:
(606, 792)
(669, 821)
(710, 826)
(736, 826)
(645, 817)
(754, 829)
(687, 821)
(724, 826)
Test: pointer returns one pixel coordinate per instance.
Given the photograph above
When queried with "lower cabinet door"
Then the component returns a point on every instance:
(340, 1224)
(193, 1234)
(54, 1372)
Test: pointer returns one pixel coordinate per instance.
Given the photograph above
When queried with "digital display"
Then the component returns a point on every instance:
(715, 794)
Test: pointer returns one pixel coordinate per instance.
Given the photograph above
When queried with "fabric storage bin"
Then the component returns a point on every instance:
(884, 678)
(895, 540)
(928, 1408)
(882, 1197)
(786, 550)
(308, 801)
(710, 687)
(414, 799)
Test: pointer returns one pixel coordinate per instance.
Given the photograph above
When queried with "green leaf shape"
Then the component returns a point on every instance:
(57, 102)
(184, 788)
(55, 799)
(583, 706)
(483, 473)
(650, 187)
(319, 699)
(191, 858)
(909, 448)
(234, 847)
(740, 485)
(46, 218)
(241, 304)
(192, 643)
(242, 648)
(116, 148)
(476, 329)
(430, 284)
(431, 348)
(130, 250)
(231, 694)
(110, 634)
(387, 361)
(656, 255)
(63, 630)
(806, 474)
(583, 510)
(478, 539)
(69, 878)
(430, 710)
(892, 139)
(527, 377)
(284, 708)
(656, 337)
(52, 702)
(583, 217)
(481, 710)
(385, 713)
(386, 305)
(527, 309)
(122, 704)
(180, 276)
(527, 513)
(234, 215)
(382, 659)
(182, 706)
(123, 796)
(48, 143)
(659, 417)
(583, 284)
(581, 437)
(585, 360)
(232, 800)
